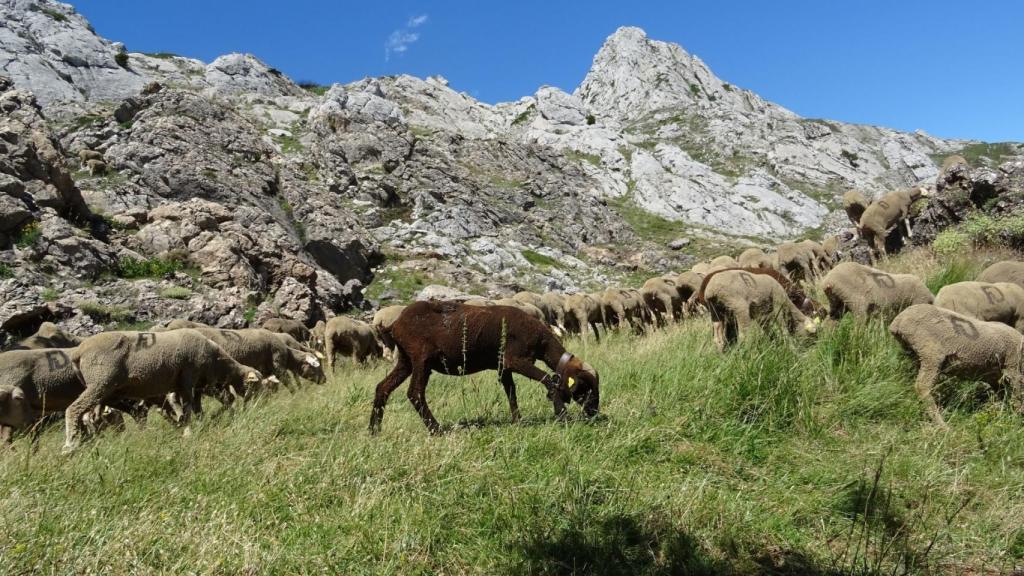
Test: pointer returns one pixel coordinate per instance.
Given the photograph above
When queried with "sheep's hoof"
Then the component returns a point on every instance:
(69, 448)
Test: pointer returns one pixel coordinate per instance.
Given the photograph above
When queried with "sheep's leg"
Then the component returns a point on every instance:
(394, 379)
(666, 303)
(594, 328)
(526, 367)
(926, 377)
(1015, 382)
(742, 319)
(73, 426)
(718, 333)
(910, 233)
(6, 435)
(329, 352)
(417, 394)
(510, 390)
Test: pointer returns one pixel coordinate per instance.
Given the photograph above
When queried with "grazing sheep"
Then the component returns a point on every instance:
(735, 298)
(524, 306)
(620, 307)
(944, 342)
(36, 382)
(49, 335)
(754, 258)
(688, 284)
(456, 339)
(582, 310)
(96, 167)
(352, 338)
(294, 328)
(662, 299)
(267, 352)
(381, 322)
(1005, 271)
(148, 366)
(953, 160)
(178, 324)
(316, 335)
(701, 268)
(863, 290)
(552, 304)
(793, 290)
(85, 155)
(854, 203)
(799, 260)
(832, 253)
(990, 302)
(528, 298)
(722, 262)
(886, 213)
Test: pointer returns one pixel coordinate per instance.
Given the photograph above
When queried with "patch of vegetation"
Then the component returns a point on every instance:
(49, 294)
(979, 231)
(28, 236)
(131, 268)
(695, 89)
(250, 314)
(313, 87)
(523, 117)
(54, 14)
(122, 59)
(626, 153)
(648, 145)
(289, 143)
(499, 181)
(404, 283)
(951, 272)
(103, 313)
(134, 325)
(421, 132)
(126, 125)
(162, 55)
(727, 87)
(540, 260)
(647, 225)
(400, 211)
(577, 156)
(87, 120)
(591, 119)
(176, 293)
(850, 157)
(6, 271)
(984, 153)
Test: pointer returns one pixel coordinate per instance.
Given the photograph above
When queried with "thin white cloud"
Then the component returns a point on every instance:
(398, 42)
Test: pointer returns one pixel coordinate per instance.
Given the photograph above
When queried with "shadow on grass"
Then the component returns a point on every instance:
(623, 545)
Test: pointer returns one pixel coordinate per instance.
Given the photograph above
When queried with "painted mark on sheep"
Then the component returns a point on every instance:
(56, 360)
(748, 279)
(883, 204)
(993, 294)
(145, 339)
(964, 328)
(883, 280)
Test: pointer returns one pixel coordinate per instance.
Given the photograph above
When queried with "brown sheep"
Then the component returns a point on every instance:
(990, 302)
(148, 366)
(49, 335)
(662, 299)
(86, 155)
(854, 203)
(583, 310)
(754, 258)
(735, 298)
(1005, 271)
(352, 338)
(96, 167)
(944, 342)
(884, 214)
(293, 328)
(863, 291)
(267, 352)
(455, 339)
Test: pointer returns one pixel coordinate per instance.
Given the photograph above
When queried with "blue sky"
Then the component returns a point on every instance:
(953, 69)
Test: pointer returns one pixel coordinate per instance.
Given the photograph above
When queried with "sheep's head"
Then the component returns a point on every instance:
(308, 366)
(576, 381)
(14, 408)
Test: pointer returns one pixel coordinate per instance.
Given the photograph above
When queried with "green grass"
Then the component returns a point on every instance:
(761, 461)
(176, 293)
(122, 59)
(28, 235)
(6, 271)
(149, 268)
(538, 259)
(405, 283)
(314, 88)
(289, 144)
(980, 231)
(984, 153)
(49, 294)
(54, 14)
(577, 156)
(499, 181)
(104, 313)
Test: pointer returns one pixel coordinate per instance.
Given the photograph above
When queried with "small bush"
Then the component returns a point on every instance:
(151, 268)
(590, 119)
(981, 230)
(727, 87)
(57, 16)
(104, 313)
(956, 270)
(538, 259)
(6, 271)
(313, 87)
(249, 314)
(695, 89)
(951, 241)
(49, 294)
(28, 235)
(523, 117)
(122, 59)
(176, 293)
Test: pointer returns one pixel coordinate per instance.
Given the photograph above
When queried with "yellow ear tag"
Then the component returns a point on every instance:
(570, 382)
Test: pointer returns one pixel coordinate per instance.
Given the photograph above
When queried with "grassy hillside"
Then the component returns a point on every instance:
(781, 457)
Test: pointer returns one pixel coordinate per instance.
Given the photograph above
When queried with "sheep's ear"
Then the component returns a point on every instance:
(17, 394)
(811, 326)
(252, 377)
(319, 355)
(925, 192)
(312, 361)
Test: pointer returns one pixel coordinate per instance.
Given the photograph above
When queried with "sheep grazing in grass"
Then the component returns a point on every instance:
(990, 302)
(96, 167)
(552, 304)
(800, 261)
(293, 328)
(944, 342)
(884, 214)
(351, 338)
(34, 383)
(178, 324)
(722, 262)
(688, 285)
(49, 335)
(854, 203)
(267, 352)
(736, 298)
(117, 366)
(382, 321)
(581, 311)
(1005, 271)
(456, 339)
(620, 307)
(793, 290)
(755, 258)
(85, 155)
(662, 299)
(863, 291)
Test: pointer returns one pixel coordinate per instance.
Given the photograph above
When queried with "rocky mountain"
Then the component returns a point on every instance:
(229, 194)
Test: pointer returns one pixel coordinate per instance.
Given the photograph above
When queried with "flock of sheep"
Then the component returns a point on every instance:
(972, 329)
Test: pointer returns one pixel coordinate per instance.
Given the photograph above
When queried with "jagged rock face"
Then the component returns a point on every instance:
(245, 74)
(49, 49)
